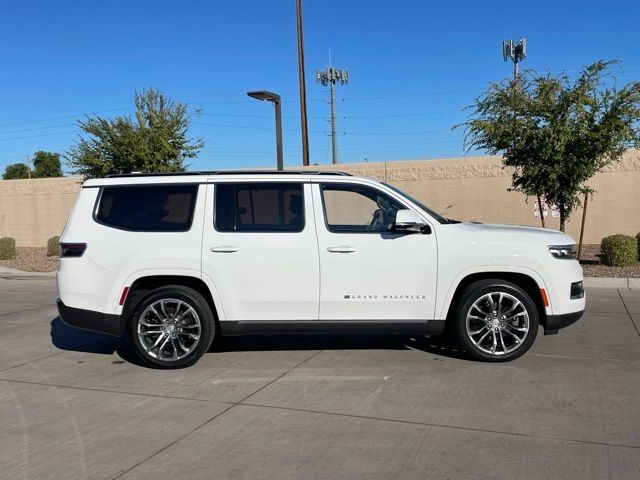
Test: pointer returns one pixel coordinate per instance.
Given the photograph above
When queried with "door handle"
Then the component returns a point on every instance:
(224, 249)
(341, 249)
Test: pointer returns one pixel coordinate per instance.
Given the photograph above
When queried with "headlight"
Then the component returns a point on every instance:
(569, 252)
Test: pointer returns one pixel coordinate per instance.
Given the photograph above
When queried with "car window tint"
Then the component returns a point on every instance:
(147, 208)
(358, 208)
(259, 207)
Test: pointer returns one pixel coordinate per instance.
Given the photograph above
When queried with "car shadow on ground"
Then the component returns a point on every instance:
(74, 339)
(435, 345)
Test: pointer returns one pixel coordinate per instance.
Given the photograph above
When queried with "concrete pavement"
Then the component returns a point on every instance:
(74, 404)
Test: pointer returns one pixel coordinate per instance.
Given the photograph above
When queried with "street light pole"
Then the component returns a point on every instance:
(278, 134)
(274, 98)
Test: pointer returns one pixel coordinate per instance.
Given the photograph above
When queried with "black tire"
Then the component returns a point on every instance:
(177, 331)
(495, 325)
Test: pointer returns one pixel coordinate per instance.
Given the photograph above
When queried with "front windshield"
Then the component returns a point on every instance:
(439, 218)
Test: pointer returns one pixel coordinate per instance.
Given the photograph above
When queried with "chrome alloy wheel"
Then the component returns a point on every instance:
(169, 329)
(497, 323)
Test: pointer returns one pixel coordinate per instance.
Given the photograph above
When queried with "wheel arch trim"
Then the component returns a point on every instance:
(489, 271)
(169, 272)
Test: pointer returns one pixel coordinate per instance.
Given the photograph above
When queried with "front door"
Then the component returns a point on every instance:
(260, 250)
(369, 272)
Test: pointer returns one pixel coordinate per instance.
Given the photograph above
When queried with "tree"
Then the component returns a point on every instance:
(555, 133)
(155, 140)
(15, 171)
(46, 164)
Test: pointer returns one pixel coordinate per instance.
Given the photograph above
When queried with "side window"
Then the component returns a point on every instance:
(358, 208)
(147, 208)
(259, 207)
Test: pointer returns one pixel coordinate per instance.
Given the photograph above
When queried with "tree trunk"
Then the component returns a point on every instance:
(540, 209)
(562, 216)
(584, 216)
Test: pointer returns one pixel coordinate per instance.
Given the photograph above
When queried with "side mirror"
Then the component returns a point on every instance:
(409, 221)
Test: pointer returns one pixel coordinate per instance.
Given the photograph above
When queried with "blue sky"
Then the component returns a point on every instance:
(413, 65)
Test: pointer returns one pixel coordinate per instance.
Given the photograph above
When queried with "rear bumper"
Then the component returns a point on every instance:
(556, 322)
(91, 320)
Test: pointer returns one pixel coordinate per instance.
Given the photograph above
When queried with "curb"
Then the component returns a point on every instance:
(12, 272)
(605, 282)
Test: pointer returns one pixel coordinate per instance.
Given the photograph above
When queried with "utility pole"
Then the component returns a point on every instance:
(303, 88)
(28, 163)
(329, 77)
(515, 52)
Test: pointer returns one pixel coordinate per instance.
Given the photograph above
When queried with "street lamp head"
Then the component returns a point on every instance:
(265, 95)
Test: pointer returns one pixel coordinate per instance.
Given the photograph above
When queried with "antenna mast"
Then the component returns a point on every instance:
(515, 52)
(329, 77)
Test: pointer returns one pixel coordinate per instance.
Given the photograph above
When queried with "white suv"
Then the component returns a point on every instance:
(175, 259)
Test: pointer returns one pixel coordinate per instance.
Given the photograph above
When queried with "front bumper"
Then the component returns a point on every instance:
(91, 320)
(556, 322)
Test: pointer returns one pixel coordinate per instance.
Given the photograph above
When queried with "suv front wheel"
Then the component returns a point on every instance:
(172, 327)
(496, 320)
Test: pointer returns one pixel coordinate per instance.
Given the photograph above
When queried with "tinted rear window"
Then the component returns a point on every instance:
(148, 208)
(259, 207)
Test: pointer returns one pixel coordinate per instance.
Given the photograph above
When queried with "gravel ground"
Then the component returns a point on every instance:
(36, 260)
(593, 267)
(29, 259)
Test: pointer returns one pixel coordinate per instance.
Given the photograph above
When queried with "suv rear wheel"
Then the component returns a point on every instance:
(496, 320)
(172, 327)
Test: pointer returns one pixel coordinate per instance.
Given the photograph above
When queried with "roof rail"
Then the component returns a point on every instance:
(229, 172)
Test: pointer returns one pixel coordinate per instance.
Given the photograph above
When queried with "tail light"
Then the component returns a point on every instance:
(72, 249)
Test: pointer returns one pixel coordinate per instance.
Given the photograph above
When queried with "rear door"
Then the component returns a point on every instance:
(260, 249)
(369, 272)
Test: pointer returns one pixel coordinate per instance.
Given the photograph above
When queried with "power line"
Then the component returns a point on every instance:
(92, 111)
(412, 95)
(388, 133)
(35, 136)
(395, 115)
(61, 118)
(37, 128)
(390, 115)
(248, 127)
(382, 146)
(232, 115)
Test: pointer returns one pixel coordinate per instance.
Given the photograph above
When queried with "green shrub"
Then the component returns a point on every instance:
(619, 250)
(7, 248)
(638, 239)
(53, 246)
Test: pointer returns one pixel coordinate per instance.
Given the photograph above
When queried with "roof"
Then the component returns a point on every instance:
(229, 172)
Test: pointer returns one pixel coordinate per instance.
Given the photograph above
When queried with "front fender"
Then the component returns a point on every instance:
(443, 304)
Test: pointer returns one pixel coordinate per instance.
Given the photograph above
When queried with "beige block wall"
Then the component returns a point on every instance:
(32, 211)
(474, 188)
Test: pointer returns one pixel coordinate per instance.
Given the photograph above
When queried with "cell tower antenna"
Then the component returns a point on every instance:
(515, 52)
(329, 77)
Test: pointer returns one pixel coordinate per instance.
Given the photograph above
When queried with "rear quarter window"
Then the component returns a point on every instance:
(147, 208)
